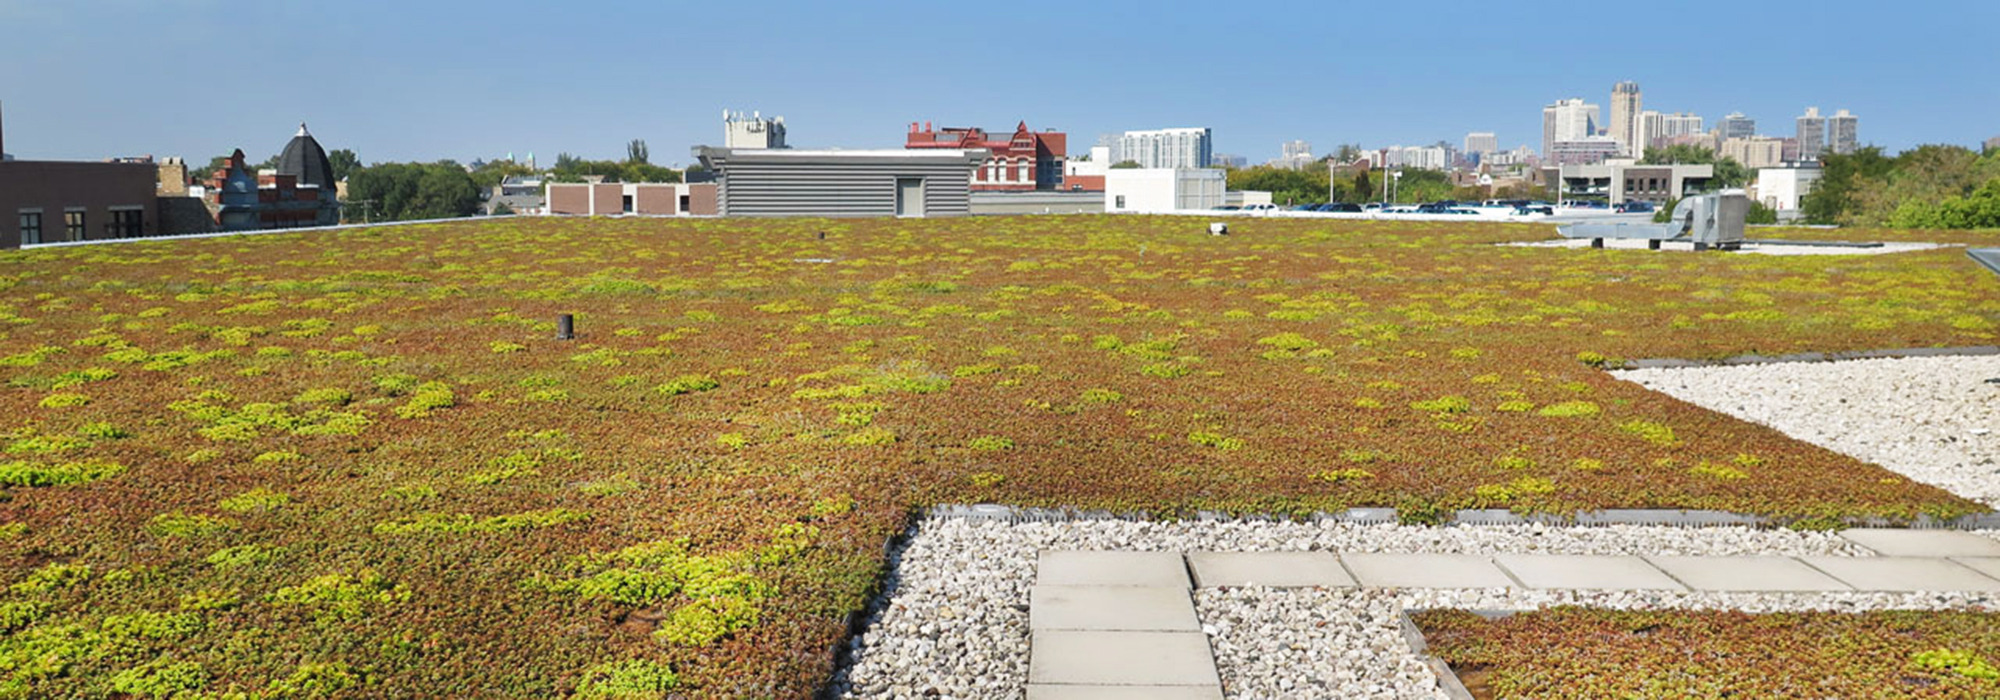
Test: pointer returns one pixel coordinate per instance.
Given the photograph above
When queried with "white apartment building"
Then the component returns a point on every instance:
(1417, 157)
(1166, 148)
(1682, 124)
(1481, 142)
(1568, 120)
(1297, 155)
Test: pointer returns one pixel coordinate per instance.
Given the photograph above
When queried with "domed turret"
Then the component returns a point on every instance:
(305, 160)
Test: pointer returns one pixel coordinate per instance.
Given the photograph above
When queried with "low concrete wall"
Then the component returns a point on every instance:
(1048, 202)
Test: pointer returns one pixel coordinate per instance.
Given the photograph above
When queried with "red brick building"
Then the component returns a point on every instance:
(244, 200)
(1026, 161)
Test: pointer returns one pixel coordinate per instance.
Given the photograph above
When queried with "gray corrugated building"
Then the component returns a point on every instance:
(771, 182)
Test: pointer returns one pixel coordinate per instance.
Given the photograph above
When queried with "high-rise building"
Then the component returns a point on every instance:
(1418, 157)
(1651, 127)
(1481, 142)
(1681, 124)
(1228, 160)
(753, 131)
(1841, 131)
(1166, 148)
(1585, 151)
(1754, 152)
(1625, 102)
(1737, 126)
(1567, 120)
(1297, 154)
(1812, 134)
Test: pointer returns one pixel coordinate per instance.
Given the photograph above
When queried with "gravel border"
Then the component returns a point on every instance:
(955, 623)
(1933, 419)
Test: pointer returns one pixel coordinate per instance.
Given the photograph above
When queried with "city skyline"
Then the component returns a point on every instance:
(446, 82)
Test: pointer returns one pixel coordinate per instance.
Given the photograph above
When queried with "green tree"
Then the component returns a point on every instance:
(343, 162)
(1978, 210)
(1419, 185)
(1363, 189)
(443, 191)
(1680, 153)
(573, 169)
(407, 191)
(1759, 214)
(1287, 186)
(488, 175)
(1841, 177)
(635, 152)
(1926, 175)
(1126, 165)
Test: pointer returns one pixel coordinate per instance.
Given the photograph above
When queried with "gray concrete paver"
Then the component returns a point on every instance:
(1903, 574)
(1274, 569)
(1564, 571)
(1923, 543)
(1756, 573)
(1065, 657)
(1425, 571)
(1111, 568)
(1124, 692)
(1111, 608)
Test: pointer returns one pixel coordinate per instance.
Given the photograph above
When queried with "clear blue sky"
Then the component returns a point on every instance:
(422, 80)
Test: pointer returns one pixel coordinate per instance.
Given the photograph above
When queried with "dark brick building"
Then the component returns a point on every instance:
(52, 201)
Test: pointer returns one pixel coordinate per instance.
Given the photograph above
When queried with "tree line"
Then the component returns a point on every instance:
(445, 189)
(1930, 186)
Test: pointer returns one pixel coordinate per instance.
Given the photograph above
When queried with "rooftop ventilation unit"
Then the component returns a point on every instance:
(1710, 221)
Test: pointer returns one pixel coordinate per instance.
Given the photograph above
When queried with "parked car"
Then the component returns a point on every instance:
(1635, 207)
(1228, 207)
(1340, 208)
(1543, 209)
(1261, 208)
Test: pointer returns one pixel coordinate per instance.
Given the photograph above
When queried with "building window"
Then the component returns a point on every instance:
(684, 204)
(126, 223)
(628, 203)
(1120, 203)
(31, 227)
(73, 225)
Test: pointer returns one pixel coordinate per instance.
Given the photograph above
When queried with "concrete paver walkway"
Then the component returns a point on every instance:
(1117, 625)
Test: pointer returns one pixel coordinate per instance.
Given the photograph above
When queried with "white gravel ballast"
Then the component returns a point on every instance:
(1933, 419)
